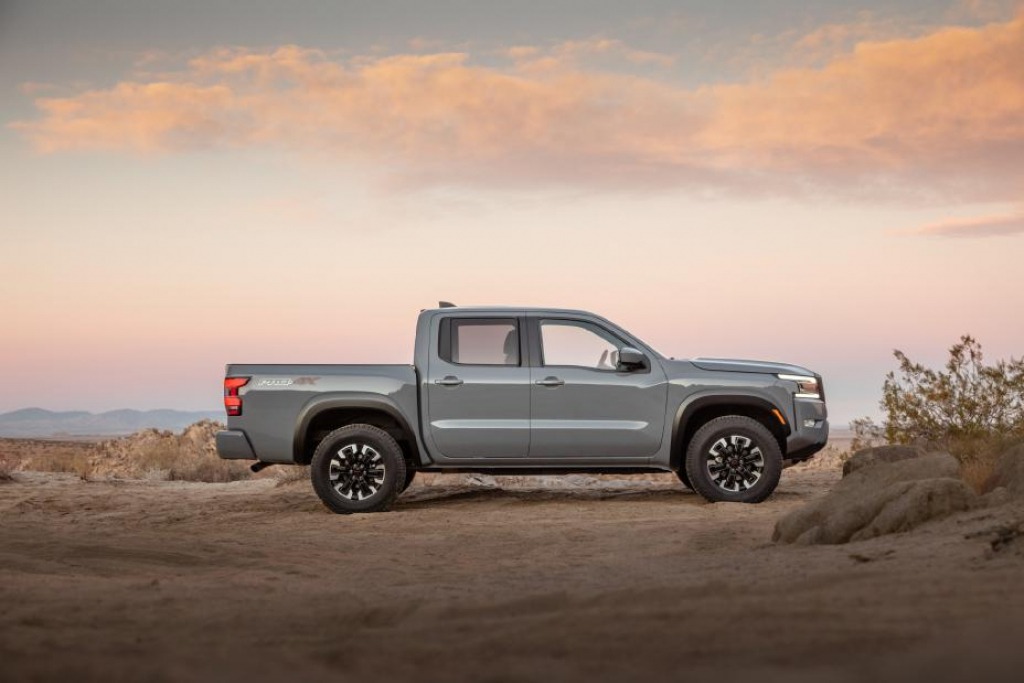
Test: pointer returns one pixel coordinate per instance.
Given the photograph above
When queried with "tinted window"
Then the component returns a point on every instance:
(577, 343)
(484, 342)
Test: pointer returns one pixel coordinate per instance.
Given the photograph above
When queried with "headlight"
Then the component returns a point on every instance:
(807, 387)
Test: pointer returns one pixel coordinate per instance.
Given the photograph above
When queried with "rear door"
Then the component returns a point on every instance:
(583, 404)
(479, 388)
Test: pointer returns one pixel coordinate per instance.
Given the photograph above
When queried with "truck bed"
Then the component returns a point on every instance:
(277, 396)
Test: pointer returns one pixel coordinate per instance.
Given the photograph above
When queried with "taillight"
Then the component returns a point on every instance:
(232, 401)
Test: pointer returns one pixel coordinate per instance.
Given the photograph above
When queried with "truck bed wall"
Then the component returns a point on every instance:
(277, 396)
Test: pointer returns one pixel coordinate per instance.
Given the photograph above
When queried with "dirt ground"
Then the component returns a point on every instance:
(576, 579)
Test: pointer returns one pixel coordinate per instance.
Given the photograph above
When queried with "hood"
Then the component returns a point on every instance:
(734, 365)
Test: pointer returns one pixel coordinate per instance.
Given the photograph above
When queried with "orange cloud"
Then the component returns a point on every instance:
(942, 112)
(983, 226)
(950, 100)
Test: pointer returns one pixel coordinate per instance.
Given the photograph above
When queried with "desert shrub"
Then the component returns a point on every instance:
(969, 400)
(972, 410)
(978, 459)
(159, 455)
(865, 434)
(208, 469)
(176, 459)
(291, 473)
(55, 461)
(7, 465)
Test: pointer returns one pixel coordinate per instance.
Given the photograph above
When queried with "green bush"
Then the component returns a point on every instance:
(968, 400)
(972, 410)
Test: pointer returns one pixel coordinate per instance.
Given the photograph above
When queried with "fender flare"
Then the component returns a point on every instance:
(365, 401)
(688, 408)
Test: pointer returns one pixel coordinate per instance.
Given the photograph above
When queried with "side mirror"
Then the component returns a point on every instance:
(631, 359)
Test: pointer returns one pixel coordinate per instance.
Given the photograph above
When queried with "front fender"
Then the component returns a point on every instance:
(704, 399)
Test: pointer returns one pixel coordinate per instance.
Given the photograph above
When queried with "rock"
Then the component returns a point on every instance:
(870, 456)
(917, 503)
(886, 497)
(1009, 472)
(997, 497)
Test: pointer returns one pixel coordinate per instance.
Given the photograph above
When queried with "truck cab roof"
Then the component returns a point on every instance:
(510, 309)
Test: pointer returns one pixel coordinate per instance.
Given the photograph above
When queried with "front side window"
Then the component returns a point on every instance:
(484, 341)
(577, 343)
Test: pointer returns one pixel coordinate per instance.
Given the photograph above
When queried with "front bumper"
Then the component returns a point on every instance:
(233, 444)
(810, 430)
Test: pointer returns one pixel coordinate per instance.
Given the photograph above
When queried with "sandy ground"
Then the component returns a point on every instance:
(607, 580)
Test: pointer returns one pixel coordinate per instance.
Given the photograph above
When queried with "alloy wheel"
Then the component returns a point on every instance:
(735, 463)
(356, 471)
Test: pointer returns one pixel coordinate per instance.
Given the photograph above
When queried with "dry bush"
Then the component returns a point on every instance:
(162, 455)
(55, 461)
(968, 400)
(291, 473)
(6, 467)
(212, 470)
(972, 410)
(170, 459)
(978, 458)
(158, 456)
(866, 434)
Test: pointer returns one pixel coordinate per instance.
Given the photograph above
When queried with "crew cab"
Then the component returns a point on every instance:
(525, 391)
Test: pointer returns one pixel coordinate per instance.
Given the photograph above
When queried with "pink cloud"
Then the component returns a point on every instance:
(981, 226)
(939, 113)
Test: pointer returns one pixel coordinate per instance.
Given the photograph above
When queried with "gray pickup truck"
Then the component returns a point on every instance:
(525, 391)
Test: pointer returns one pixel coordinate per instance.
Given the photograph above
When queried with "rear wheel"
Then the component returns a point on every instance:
(734, 459)
(683, 477)
(358, 468)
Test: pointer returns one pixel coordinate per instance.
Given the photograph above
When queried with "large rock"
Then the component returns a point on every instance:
(870, 456)
(913, 503)
(883, 498)
(1009, 472)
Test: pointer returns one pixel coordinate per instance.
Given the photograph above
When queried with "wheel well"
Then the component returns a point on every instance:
(703, 415)
(327, 421)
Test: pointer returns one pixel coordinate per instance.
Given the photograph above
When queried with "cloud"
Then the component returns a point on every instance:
(944, 106)
(982, 226)
(942, 113)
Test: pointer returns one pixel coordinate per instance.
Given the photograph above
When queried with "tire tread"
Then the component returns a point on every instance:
(699, 481)
(394, 461)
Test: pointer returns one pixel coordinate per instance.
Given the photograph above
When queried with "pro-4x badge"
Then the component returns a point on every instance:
(274, 383)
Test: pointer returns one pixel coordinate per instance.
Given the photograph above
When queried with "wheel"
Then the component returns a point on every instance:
(358, 468)
(684, 477)
(410, 474)
(734, 459)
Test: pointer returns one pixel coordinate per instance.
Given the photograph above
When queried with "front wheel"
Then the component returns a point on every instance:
(358, 468)
(734, 459)
(410, 474)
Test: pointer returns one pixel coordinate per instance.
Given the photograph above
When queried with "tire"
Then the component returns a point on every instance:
(358, 468)
(684, 477)
(410, 474)
(734, 459)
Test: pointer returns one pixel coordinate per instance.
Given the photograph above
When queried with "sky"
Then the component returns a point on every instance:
(194, 183)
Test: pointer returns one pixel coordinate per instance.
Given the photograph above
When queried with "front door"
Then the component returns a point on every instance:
(583, 404)
(479, 389)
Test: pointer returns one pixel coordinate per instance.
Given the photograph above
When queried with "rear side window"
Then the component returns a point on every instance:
(480, 341)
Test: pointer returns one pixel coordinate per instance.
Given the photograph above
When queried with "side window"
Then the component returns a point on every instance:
(581, 344)
(481, 341)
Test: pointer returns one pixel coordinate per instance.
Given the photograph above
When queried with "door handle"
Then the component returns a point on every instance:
(550, 382)
(449, 381)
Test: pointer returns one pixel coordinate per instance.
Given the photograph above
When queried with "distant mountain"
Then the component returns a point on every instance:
(38, 422)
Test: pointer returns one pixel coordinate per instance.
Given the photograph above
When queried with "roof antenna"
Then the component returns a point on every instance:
(445, 304)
